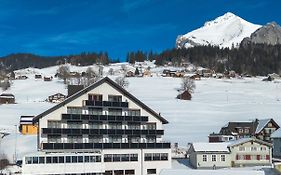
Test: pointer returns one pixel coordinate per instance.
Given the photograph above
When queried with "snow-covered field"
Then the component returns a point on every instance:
(214, 103)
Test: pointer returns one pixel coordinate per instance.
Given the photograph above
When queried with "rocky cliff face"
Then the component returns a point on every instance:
(268, 34)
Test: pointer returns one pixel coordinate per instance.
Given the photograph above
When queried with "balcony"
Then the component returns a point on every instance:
(111, 118)
(76, 131)
(86, 146)
(107, 104)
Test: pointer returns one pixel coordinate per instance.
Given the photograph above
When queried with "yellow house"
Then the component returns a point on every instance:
(26, 126)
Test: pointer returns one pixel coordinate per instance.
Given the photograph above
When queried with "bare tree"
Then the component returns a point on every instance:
(63, 72)
(100, 71)
(5, 84)
(187, 84)
(124, 67)
(121, 81)
(4, 162)
(111, 71)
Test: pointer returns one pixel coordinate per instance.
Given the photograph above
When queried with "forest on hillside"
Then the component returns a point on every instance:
(254, 59)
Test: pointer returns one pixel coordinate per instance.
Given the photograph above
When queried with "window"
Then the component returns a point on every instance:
(240, 130)
(133, 139)
(150, 139)
(118, 172)
(241, 148)
(55, 160)
(151, 126)
(214, 158)
(74, 139)
(115, 98)
(246, 130)
(156, 156)
(129, 172)
(223, 158)
(95, 139)
(54, 139)
(54, 124)
(74, 110)
(115, 139)
(95, 111)
(115, 112)
(48, 159)
(67, 159)
(41, 160)
(263, 148)
(74, 159)
(151, 171)
(61, 159)
(133, 157)
(253, 148)
(87, 159)
(148, 157)
(269, 124)
(204, 158)
(95, 97)
(125, 157)
(116, 158)
(115, 125)
(107, 158)
(95, 125)
(133, 125)
(74, 124)
(35, 160)
(134, 112)
(28, 160)
(164, 156)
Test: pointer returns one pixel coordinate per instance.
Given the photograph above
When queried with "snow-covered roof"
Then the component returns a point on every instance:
(210, 147)
(276, 134)
(245, 140)
(261, 124)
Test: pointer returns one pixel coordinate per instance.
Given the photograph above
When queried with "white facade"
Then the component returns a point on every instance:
(129, 137)
(243, 152)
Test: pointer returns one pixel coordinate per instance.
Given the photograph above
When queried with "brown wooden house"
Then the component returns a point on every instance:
(7, 98)
(184, 96)
(56, 98)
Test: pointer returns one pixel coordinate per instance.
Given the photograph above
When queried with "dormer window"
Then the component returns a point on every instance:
(115, 98)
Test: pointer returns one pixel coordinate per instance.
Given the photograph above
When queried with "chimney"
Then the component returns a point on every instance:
(72, 89)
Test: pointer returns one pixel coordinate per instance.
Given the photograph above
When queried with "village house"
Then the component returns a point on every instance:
(205, 72)
(48, 78)
(185, 95)
(130, 74)
(56, 98)
(26, 126)
(6, 98)
(38, 76)
(21, 77)
(241, 152)
(261, 129)
(102, 129)
(192, 76)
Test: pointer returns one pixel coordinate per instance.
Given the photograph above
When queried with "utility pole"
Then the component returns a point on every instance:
(16, 143)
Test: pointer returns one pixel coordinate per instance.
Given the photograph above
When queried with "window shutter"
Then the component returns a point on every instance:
(267, 157)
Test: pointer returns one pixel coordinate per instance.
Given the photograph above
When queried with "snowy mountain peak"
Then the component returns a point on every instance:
(224, 31)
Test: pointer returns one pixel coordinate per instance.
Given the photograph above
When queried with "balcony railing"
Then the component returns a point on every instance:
(86, 146)
(88, 117)
(107, 104)
(76, 131)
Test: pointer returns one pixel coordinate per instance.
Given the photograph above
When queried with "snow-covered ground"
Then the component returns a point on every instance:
(214, 103)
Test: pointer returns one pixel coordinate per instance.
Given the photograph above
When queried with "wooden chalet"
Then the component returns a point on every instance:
(56, 98)
(6, 98)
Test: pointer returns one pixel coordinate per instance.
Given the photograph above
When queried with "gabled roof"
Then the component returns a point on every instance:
(93, 86)
(210, 147)
(263, 123)
(245, 140)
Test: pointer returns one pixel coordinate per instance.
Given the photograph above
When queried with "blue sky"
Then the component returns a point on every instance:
(61, 27)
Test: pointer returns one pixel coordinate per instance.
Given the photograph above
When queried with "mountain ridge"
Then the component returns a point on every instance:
(224, 31)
